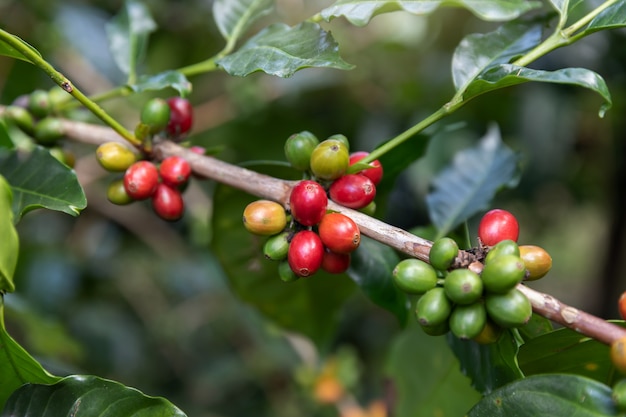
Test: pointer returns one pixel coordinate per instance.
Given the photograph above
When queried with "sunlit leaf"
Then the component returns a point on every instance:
(282, 50)
(234, 17)
(612, 17)
(371, 268)
(8, 50)
(167, 79)
(548, 395)
(471, 181)
(38, 180)
(426, 375)
(79, 395)
(10, 242)
(128, 34)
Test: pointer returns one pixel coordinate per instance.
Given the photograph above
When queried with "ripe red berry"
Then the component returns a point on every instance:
(375, 174)
(141, 180)
(339, 233)
(167, 202)
(308, 202)
(175, 171)
(353, 190)
(335, 263)
(181, 116)
(621, 305)
(306, 252)
(497, 225)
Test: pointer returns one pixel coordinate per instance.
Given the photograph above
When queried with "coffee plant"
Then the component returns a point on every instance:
(284, 208)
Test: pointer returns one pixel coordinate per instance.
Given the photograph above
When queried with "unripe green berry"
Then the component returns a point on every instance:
(20, 117)
(463, 286)
(156, 114)
(298, 149)
(340, 138)
(48, 130)
(116, 193)
(504, 247)
(442, 253)
(511, 309)
(436, 330)
(285, 272)
(433, 308)
(39, 103)
(115, 156)
(619, 395)
(276, 247)
(414, 276)
(503, 273)
(330, 159)
(467, 321)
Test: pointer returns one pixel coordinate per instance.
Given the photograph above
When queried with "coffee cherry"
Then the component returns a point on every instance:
(48, 130)
(181, 116)
(463, 286)
(115, 157)
(538, 262)
(497, 225)
(436, 330)
(285, 272)
(39, 103)
(277, 246)
(618, 354)
(175, 171)
(353, 191)
(504, 247)
(141, 180)
(511, 309)
(503, 273)
(167, 202)
(329, 159)
(619, 395)
(370, 209)
(433, 308)
(264, 217)
(116, 193)
(156, 114)
(621, 305)
(21, 117)
(308, 202)
(298, 149)
(335, 263)
(339, 233)
(442, 253)
(375, 173)
(306, 252)
(467, 321)
(414, 276)
(341, 138)
(489, 334)
(64, 156)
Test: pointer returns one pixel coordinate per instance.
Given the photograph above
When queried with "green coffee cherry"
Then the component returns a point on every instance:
(20, 117)
(463, 286)
(511, 309)
(48, 131)
(277, 246)
(330, 159)
(39, 103)
(490, 333)
(433, 308)
(467, 321)
(503, 273)
(619, 395)
(156, 114)
(116, 193)
(298, 149)
(115, 157)
(436, 330)
(414, 276)
(285, 272)
(340, 138)
(442, 253)
(504, 247)
(370, 209)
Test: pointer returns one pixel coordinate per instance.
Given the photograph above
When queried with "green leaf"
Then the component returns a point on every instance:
(397, 160)
(282, 50)
(488, 366)
(79, 395)
(128, 34)
(10, 240)
(612, 17)
(478, 52)
(234, 17)
(371, 267)
(536, 326)
(566, 351)
(167, 79)
(38, 180)
(10, 51)
(426, 377)
(360, 12)
(471, 181)
(18, 367)
(548, 395)
(506, 75)
(5, 138)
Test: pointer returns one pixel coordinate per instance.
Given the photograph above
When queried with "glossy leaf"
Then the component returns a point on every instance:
(10, 242)
(402, 156)
(371, 268)
(79, 395)
(10, 51)
(234, 17)
(282, 50)
(471, 181)
(488, 366)
(548, 395)
(426, 376)
(612, 17)
(478, 52)
(505, 75)
(5, 138)
(167, 79)
(128, 35)
(38, 180)
(360, 12)
(536, 326)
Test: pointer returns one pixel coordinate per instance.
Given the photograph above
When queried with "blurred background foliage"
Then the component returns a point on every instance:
(119, 293)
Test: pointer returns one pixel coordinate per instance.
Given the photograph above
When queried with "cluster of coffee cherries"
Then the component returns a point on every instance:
(310, 237)
(479, 301)
(142, 179)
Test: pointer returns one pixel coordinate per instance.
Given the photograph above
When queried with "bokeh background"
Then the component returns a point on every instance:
(119, 293)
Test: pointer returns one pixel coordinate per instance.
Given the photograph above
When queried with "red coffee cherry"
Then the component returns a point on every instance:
(175, 171)
(375, 174)
(621, 305)
(339, 233)
(168, 203)
(497, 225)
(308, 202)
(181, 116)
(141, 180)
(353, 190)
(306, 252)
(335, 263)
